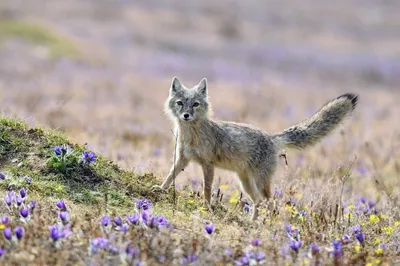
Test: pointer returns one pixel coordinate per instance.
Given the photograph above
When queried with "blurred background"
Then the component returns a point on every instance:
(100, 71)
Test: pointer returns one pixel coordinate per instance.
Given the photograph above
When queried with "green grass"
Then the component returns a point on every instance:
(38, 34)
(24, 152)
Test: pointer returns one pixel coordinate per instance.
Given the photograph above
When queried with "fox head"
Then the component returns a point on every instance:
(187, 105)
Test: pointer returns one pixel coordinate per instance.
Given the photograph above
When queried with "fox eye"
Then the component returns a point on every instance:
(196, 104)
(179, 103)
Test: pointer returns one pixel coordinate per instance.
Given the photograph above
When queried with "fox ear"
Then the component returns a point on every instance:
(175, 85)
(202, 87)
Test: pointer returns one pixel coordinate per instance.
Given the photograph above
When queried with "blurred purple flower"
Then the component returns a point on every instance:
(363, 170)
(61, 205)
(360, 236)
(19, 200)
(118, 221)
(24, 213)
(256, 242)
(260, 256)
(363, 200)
(33, 204)
(228, 252)
(145, 216)
(7, 233)
(337, 248)
(89, 157)
(5, 220)
(105, 221)
(371, 204)
(57, 150)
(2, 252)
(355, 229)
(295, 245)
(8, 200)
(278, 193)
(143, 204)
(125, 227)
(2, 176)
(315, 249)
(134, 218)
(99, 243)
(22, 192)
(19, 232)
(64, 217)
(131, 251)
(57, 232)
(209, 228)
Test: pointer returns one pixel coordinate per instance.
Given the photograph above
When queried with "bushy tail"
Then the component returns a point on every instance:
(313, 129)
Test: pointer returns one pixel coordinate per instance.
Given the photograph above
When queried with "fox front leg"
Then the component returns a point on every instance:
(178, 167)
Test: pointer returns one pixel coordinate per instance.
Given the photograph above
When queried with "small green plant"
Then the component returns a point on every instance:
(64, 159)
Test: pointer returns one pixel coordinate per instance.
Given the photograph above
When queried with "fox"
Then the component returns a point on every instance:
(250, 152)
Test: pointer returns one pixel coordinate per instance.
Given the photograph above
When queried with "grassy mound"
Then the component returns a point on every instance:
(27, 153)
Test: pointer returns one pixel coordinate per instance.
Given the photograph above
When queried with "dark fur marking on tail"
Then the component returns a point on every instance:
(352, 97)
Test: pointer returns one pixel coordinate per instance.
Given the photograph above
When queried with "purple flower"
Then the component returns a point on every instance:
(277, 193)
(19, 232)
(57, 150)
(56, 232)
(145, 216)
(33, 204)
(371, 204)
(256, 242)
(22, 192)
(99, 243)
(125, 227)
(295, 245)
(89, 157)
(105, 221)
(209, 228)
(118, 221)
(142, 204)
(355, 229)
(8, 200)
(2, 176)
(260, 256)
(363, 200)
(360, 236)
(19, 200)
(61, 205)
(228, 252)
(7, 233)
(131, 251)
(64, 217)
(24, 213)
(2, 252)
(134, 218)
(4, 220)
(337, 248)
(315, 249)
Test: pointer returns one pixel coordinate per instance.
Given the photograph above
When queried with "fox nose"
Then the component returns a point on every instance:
(186, 115)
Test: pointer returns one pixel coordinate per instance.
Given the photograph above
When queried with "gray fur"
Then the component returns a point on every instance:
(252, 153)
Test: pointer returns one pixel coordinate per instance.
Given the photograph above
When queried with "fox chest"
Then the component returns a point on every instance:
(201, 151)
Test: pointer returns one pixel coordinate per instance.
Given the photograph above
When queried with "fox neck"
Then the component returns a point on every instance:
(189, 132)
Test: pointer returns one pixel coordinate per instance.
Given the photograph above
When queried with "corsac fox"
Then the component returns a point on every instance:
(252, 153)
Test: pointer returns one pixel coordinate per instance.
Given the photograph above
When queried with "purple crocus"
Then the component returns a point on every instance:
(2, 176)
(346, 239)
(89, 157)
(105, 221)
(56, 232)
(118, 221)
(24, 212)
(260, 256)
(7, 233)
(209, 228)
(33, 204)
(5, 220)
(246, 208)
(19, 200)
(355, 229)
(2, 252)
(337, 248)
(125, 227)
(142, 204)
(57, 150)
(64, 217)
(19, 232)
(360, 236)
(134, 218)
(61, 205)
(22, 192)
(295, 245)
(315, 249)
(256, 242)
